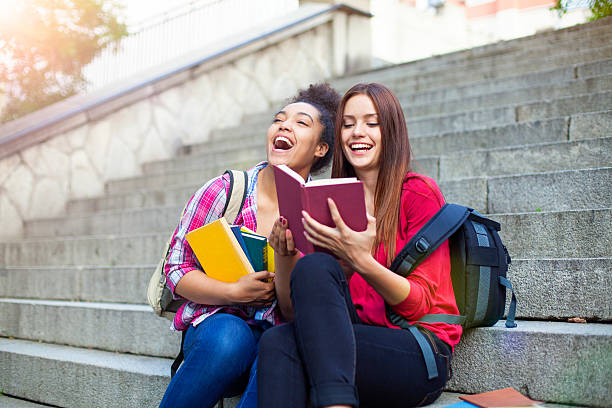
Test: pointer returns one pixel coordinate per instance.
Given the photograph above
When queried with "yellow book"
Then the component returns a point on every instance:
(219, 252)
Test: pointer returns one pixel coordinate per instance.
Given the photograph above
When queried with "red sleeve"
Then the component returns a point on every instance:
(421, 199)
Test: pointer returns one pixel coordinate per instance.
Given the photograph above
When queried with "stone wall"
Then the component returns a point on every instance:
(38, 181)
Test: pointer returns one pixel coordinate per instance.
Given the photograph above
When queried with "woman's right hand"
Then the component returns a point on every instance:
(281, 239)
(254, 289)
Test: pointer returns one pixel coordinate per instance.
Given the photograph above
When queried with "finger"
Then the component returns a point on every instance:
(261, 275)
(314, 227)
(290, 243)
(335, 214)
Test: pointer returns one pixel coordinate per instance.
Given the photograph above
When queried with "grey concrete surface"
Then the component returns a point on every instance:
(106, 326)
(552, 289)
(548, 234)
(478, 119)
(8, 402)
(591, 125)
(552, 191)
(510, 97)
(590, 102)
(81, 378)
(544, 157)
(562, 234)
(121, 284)
(175, 196)
(559, 362)
(109, 250)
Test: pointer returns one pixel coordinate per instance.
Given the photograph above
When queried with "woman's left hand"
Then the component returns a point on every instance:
(347, 244)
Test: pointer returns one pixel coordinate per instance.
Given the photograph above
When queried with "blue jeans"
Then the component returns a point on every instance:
(220, 361)
(327, 356)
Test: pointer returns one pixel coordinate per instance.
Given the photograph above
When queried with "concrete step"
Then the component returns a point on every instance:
(157, 219)
(528, 235)
(176, 196)
(479, 70)
(544, 157)
(115, 327)
(485, 118)
(89, 378)
(557, 234)
(119, 284)
(549, 77)
(8, 402)
(213, 156)
(480, 364)
(551, 191)
(189, 171)
(107, 250)
(578, 126)
(566, 363)
(183, 177)
(553, 289)
(489, 52)
(507, 97)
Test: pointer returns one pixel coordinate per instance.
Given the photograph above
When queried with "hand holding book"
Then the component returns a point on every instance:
(344, 242)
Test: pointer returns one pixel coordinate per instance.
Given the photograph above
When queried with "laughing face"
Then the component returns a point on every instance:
(294, 137)
(361, 137)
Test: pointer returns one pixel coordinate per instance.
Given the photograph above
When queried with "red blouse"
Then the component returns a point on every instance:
(431, 289)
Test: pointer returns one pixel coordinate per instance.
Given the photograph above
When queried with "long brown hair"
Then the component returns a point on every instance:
(394, 161)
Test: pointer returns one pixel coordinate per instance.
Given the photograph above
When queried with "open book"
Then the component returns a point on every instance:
(295, 195)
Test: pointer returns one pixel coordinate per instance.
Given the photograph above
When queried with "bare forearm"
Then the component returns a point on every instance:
(199, 288)
(283, 267)
(391, 286)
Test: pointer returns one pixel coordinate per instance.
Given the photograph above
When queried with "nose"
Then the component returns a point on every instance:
(284, 125)
(358, 129)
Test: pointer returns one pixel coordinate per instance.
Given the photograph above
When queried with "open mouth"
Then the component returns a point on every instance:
(360, 147)
(282, 143)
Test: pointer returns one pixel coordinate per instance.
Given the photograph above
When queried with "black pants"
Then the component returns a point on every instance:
(328, 356)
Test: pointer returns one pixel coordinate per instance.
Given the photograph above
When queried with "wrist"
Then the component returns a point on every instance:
(365, 263)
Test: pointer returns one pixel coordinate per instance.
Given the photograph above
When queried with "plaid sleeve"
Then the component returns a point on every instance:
(205, 206)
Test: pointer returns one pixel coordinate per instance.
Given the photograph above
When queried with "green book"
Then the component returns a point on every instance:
(257, 248)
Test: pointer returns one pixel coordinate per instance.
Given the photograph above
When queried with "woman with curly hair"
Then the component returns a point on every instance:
(224, 321)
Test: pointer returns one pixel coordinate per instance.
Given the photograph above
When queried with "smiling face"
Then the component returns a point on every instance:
(360, 133)
(294, 137)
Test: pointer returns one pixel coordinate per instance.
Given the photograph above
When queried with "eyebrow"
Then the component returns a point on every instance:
(299, 113)
(367, 115)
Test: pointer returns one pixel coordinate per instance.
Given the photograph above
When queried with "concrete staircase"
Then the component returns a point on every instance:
(520, 130)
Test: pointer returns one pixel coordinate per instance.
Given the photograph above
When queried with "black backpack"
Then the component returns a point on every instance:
(479, 263)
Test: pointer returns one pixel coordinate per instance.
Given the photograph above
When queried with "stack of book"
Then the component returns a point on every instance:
(228, 253)
(503, 398)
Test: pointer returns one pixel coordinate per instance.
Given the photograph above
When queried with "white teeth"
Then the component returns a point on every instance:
(283, 139)
(360, 146)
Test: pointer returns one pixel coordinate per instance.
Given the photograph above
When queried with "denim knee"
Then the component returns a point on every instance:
(278, 340)
(228, 337)
(314, 267)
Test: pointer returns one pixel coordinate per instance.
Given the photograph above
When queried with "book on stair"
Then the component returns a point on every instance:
(219, 252)
(295, 195)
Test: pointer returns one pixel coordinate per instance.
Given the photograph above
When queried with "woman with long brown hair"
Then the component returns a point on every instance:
(341, 349)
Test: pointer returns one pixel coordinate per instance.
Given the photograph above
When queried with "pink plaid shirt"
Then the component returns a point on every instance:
(206, 206)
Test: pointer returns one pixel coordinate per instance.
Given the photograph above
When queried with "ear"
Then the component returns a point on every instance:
(321, 149)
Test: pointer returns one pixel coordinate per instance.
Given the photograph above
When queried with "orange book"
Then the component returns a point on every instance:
(219, 252)
(505, 397)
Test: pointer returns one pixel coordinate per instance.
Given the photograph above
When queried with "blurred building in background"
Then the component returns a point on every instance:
(399, 31)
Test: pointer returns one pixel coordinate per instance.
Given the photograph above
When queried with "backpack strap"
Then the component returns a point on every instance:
(437, 230)
(236, 195)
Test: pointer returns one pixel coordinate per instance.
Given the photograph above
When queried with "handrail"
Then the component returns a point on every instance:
(83, 103)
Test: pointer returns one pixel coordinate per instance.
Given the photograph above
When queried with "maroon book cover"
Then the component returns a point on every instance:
(294, 195)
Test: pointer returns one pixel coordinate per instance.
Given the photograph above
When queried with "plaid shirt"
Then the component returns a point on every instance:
(206, 206)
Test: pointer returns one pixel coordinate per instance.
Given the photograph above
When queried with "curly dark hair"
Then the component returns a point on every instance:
(325, 98)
